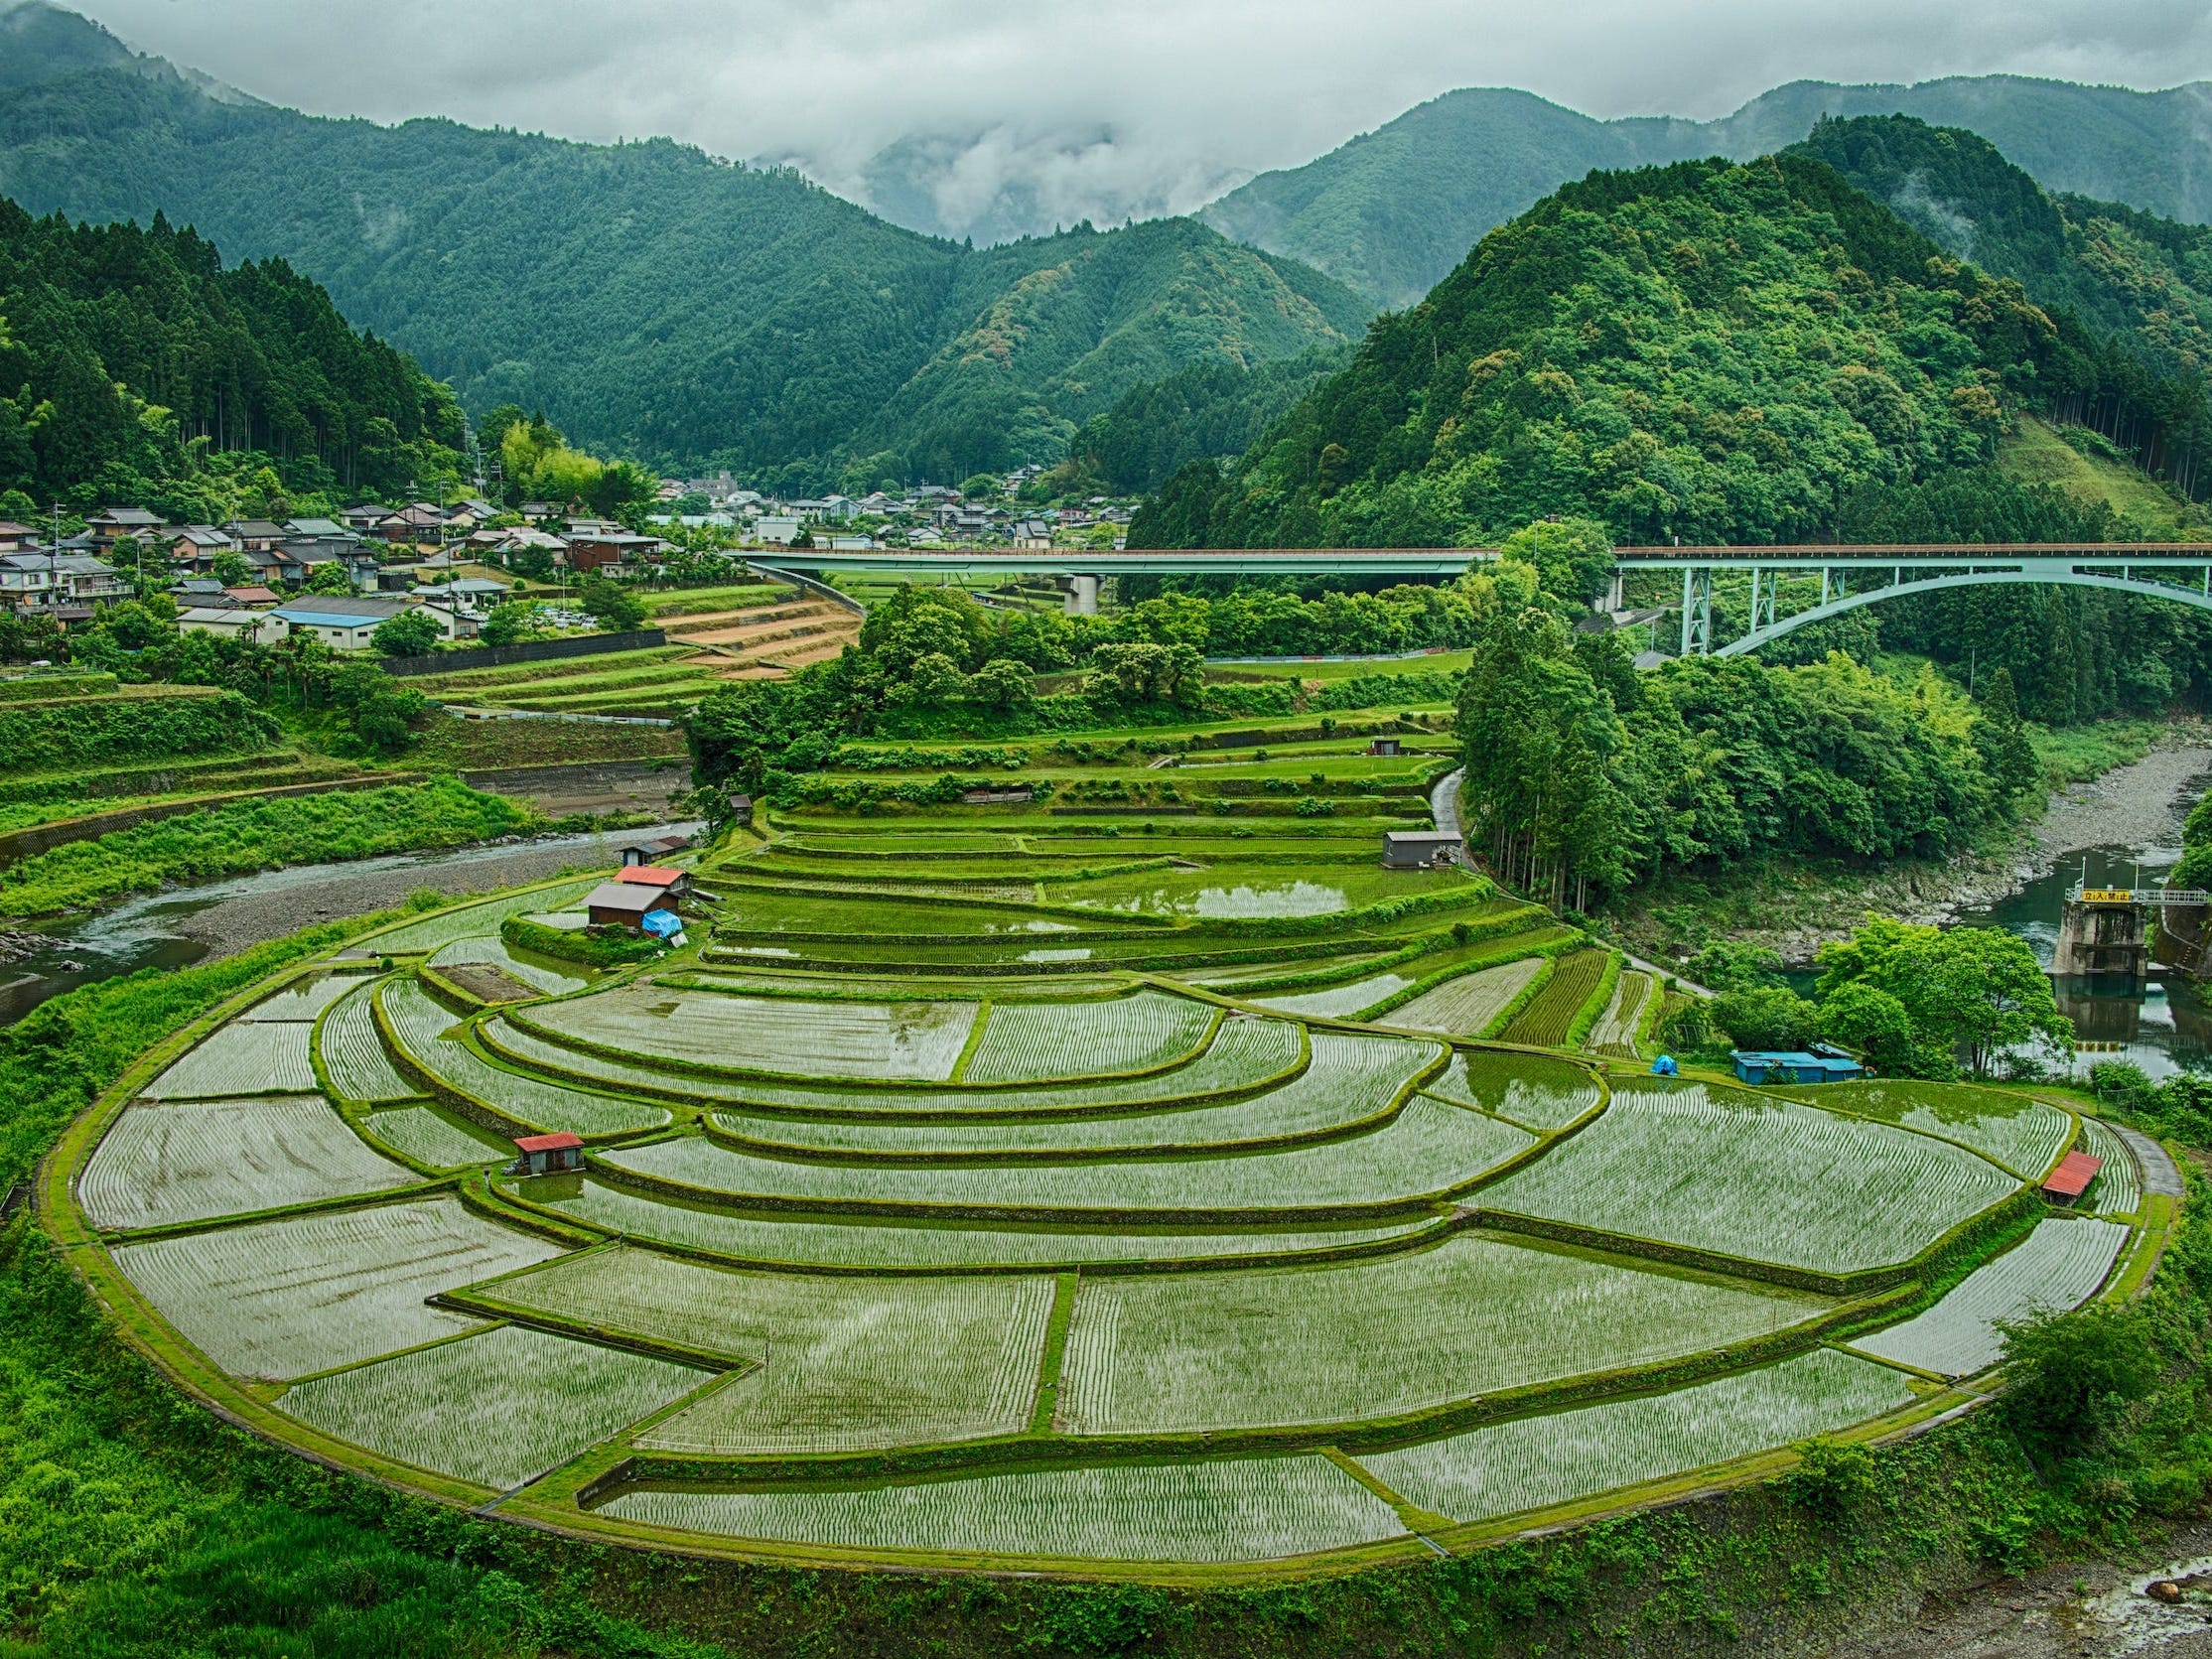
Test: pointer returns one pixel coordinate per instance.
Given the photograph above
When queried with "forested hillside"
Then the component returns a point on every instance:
(1705, 351)
(1392, 211)
(653, 299)
(1209, 409)
(134, 368)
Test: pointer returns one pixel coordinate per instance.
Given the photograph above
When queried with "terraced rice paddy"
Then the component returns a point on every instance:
(354, 1056)
(948, 1231)
(193, 1160)
(1535, 1094)
(498, 1409)
(301, 1001)
(802, 1242)
(2023, 1135)
(1246, 1054)
(907, 1042)
(1351, 1080)
(1466, 1005)
(1614, 1034)
(420, 1021)
(2118, 1189)
(1026, 1043)
(475, 922)
(432, 1139)
(258, 1057)
(1320, 1345)
(1231, 1509)
(839, 1365)
(2056, 1266)
(282, 1299)
(1763, 1179)
(1535, 1461)
(1551, 1013)
(1428, 1148)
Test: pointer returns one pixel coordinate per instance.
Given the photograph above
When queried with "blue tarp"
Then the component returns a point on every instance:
(662, 924)
(1664, 1066)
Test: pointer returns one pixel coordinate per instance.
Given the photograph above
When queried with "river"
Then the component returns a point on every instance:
(180, 925)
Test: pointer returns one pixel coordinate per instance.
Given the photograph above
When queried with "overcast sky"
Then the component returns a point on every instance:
(1103, 107)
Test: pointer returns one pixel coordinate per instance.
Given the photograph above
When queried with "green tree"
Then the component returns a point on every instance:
(1572, 557)
(231, 569)
(1974, 990)
(2001, 738)
(612, 606)
(330, 577)
(1863, 1017)
(1004, 685)
(2070, 1377)
(410, 633)
(1769, 1017)
(513, 622)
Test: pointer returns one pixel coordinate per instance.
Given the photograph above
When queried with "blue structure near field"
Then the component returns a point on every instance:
(1827, 1065)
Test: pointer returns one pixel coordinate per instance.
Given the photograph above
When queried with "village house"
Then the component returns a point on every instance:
(226, 622)
(347, 624)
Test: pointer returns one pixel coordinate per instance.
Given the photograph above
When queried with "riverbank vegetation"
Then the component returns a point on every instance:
(259, 835)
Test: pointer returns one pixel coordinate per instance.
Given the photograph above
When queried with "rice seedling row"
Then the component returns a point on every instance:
(1533, 1463)
(499, 1409)
(1548, 1019)
(1467, 1004)
(1538, 1094)
(1350, 1080)
(802, 1242)
(1615, 1033)
(2022, 1134)
(354, 1058)
(494, 952)
(282, 1299)
(1229, 893)
(265, 1057)
(419, 1021)
(1757, 1178)
(2118, 1188)
(432, 1139)
(1231, 1509)
(159, 1165)
(917, 1042)
(474, 922)
(1036, 1042)
(1428, 1148)
(840, 1363)
(2057, 1267)
(1358, 1340)
(301, 1001)
(1245, 1055)
(1340, 1001)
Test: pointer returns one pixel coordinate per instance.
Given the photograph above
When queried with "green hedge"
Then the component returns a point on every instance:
(40, 687)
(45, 737)
(574, 944)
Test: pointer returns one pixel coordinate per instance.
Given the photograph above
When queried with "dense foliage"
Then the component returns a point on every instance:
(1394, 210)
(2132, 293)
(1210, 409)
(658, 302)
(94, 731)
(258, 835)
(134, 368)
(1704, 350)
(1585, 777)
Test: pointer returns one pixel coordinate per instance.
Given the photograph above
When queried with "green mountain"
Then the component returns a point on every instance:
(1209, 409)
(1710, 350)
(1392, 211)
(134, 368)
(653, 299)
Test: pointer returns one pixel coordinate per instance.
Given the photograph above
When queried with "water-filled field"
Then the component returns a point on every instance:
(918, 1225)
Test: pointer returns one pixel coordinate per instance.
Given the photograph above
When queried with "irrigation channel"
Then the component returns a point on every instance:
(179, 925)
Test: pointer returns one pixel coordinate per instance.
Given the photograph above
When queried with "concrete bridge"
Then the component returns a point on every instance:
(1781, 578)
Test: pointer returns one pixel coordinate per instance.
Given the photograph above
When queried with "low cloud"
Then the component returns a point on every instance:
(990, 116)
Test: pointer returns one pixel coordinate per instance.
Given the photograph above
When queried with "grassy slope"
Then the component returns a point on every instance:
(2035, 453)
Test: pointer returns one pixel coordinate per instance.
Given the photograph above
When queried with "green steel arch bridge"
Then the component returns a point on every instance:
(1782, 579)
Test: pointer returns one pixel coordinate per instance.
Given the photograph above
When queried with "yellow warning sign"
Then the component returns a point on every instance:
(2106, 895)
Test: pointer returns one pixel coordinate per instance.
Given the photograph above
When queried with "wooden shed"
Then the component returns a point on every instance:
(1417, 849)
(622, 903)
(2072, 1177)
(674, 883)
(547, 1155)
(1383, 746)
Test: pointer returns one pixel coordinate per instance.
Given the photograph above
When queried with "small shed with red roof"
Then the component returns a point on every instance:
(671, 881)
(547, 1154)
(2072, 1177)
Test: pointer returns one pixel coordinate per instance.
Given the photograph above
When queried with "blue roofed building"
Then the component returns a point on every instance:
(1766, 1065)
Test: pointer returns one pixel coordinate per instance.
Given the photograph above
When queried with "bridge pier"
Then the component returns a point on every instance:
(1082, 596)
